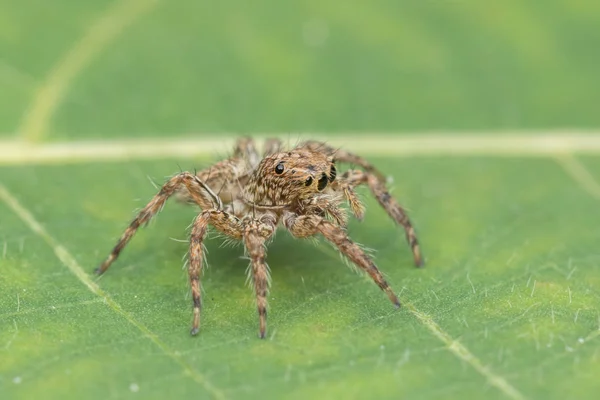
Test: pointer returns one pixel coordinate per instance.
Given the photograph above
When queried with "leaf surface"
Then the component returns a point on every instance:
(507, 305)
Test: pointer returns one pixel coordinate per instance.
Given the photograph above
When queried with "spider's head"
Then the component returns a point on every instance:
(285, 177)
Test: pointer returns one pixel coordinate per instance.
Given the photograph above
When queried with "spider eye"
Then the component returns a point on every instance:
(332, 173)
(308, 181)
(279, 168)
(322, 182)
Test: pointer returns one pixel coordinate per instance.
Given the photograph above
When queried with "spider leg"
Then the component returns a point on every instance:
(345, 186)
(224, 222)
(391, 206)
(327, 206)
(197, 191)
(272, 146)
(341, 155)
(216, 176)
(308, 225)
(375, 180)
(225, 174)
(255, 235)
(244, 148)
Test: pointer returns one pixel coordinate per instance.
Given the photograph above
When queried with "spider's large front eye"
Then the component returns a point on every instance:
(279, 168)
(308, 181)
(322, 182)
(332, 173)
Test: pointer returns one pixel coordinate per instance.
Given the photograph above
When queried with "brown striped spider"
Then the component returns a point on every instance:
(298, 189)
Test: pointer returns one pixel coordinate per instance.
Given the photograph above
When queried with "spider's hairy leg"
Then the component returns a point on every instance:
(196, 191)
(245, 148)
(308, 225)
(341, 155)
(213, 176)
(256, 233)
(327, 206)
(343, 185)
(272, 146)
(391, 206)
(224, 222)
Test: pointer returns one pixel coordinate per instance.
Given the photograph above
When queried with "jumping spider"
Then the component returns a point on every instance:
(299, 188)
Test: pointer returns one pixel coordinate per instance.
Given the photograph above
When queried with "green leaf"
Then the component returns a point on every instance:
(508, 303)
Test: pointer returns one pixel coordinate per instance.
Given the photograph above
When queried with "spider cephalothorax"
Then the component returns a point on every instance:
(287, 177)
(247, 198)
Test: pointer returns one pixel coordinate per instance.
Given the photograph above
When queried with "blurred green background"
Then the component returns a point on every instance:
(183, 66)
(513, 269)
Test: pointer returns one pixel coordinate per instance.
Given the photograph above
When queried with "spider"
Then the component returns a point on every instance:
(299, 189)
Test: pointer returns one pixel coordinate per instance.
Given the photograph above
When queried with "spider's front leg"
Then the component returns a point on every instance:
(224, 222)
(308, 225)
(272, 146)
(225, 175)
(341, 155)
(196, 190)
(376, 182)
(245, 149)
(327, 206)
(256, 233)
(354, 178)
